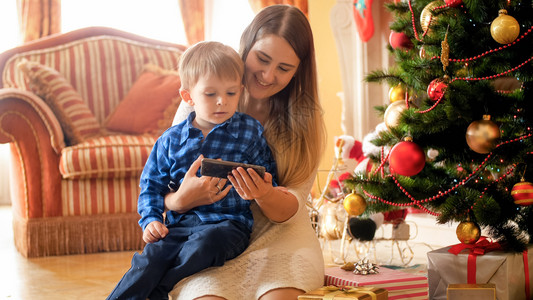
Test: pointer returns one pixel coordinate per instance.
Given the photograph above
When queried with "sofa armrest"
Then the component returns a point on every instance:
(47, 117)
(37, 140)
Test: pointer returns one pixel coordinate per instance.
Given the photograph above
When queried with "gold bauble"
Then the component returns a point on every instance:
(426, 17)
(468, 232)
(393, 113)
(504, 29)
(354, 204)
(482, 135)
(397, 93)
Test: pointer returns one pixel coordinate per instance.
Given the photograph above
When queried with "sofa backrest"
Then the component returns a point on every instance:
(101, 68)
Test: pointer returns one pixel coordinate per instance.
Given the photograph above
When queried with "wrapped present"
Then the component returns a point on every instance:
(473, 291)
(509, 271)
(400, 285)
(349, 292)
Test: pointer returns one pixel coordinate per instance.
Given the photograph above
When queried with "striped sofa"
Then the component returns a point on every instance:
(77, 198)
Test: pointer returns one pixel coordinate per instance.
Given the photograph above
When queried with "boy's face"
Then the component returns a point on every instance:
(214, 99)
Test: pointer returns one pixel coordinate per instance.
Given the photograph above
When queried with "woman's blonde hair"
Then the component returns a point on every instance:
(295, 128)
(211, 59)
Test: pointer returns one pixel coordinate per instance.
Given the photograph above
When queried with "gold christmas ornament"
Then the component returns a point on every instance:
(482, 135)
(426, 17)
(445, 52)
(354, 204)
(397, 93)
(468, 232)
(393, 113)
(504, 29)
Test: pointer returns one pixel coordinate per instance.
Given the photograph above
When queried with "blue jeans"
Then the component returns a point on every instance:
(189, 247)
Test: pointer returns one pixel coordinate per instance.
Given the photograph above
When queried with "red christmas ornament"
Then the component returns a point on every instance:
(453, 3)
(406, 158)
(436, 89)
(522, 193)
(399, 40)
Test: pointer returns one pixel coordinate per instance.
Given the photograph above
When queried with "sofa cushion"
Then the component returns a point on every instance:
(76, 119)
(114, 156)
(150, 104)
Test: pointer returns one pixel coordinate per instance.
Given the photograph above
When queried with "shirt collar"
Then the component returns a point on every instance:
(231, 126)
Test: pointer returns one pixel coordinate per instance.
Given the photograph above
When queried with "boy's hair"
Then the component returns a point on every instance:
(209, 58)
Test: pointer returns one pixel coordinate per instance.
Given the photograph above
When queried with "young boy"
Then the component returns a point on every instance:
(204, 235)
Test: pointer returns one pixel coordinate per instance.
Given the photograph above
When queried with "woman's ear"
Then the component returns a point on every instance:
(186, 96)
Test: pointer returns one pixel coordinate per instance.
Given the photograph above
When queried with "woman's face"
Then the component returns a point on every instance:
(269, 67)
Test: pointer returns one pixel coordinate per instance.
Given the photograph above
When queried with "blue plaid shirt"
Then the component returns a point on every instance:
(239, 139)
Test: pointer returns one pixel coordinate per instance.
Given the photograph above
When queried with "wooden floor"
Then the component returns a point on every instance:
(93, 276)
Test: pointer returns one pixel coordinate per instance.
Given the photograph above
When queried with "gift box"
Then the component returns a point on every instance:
(400, 285)
(504, 269)
(334, 293)
(465, 291)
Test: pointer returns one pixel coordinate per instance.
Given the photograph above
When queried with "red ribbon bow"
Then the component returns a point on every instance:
(480, 248)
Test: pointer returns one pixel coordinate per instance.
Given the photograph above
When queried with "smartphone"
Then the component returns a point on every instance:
(222, 168)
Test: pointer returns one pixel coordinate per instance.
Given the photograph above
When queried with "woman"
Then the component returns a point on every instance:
(284, 258)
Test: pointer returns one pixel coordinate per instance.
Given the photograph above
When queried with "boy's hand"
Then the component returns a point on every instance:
(196, 191)
(154, 231)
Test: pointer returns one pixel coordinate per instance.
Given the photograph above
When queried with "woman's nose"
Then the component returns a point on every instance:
(268, 75)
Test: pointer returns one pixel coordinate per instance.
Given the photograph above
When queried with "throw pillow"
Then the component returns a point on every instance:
(76, 119)
(150, 104)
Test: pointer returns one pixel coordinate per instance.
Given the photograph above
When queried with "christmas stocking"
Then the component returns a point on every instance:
(362, 12)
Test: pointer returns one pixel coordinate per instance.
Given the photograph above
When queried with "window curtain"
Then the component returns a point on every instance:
(39, 18)
(193, 16)
(257, 5)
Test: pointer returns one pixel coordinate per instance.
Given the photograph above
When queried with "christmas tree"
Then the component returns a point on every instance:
(459, 138)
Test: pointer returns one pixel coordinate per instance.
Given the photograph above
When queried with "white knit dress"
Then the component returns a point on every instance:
(280, 255)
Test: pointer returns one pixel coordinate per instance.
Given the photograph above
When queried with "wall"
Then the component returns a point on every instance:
(329, 78)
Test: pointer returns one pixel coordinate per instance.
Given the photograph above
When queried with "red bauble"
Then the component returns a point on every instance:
(436, 89)
(522, 193)
(399, 40)
(453, 3)
(406, 159)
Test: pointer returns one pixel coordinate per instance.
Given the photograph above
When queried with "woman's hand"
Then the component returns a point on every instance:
(196, 191)
(154, 231)
(277, 203)
(249, 185)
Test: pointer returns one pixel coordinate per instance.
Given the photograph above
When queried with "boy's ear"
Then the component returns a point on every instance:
(186, 96)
